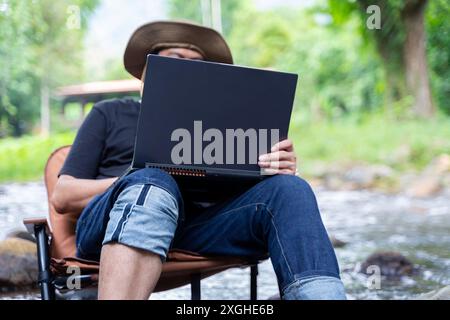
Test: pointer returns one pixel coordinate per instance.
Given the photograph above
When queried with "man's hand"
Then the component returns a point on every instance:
(281, 159)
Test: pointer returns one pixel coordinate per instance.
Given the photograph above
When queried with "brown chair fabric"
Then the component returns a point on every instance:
(62, 225)
(176, 271)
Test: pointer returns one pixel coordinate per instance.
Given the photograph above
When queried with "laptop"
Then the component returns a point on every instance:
(204, 121)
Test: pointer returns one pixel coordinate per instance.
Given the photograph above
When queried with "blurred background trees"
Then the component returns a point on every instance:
(364, 95)
(41, 45)
(400, 43)
(345, 68)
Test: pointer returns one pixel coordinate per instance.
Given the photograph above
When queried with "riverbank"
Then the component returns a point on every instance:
(404, 146)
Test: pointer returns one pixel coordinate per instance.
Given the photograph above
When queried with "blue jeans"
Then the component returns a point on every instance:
(279, 216)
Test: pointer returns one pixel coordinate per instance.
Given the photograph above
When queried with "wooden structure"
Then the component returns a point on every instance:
(93, 92)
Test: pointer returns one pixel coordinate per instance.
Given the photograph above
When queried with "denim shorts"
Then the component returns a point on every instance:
(141, 210)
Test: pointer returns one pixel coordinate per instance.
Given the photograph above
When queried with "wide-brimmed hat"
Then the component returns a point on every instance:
(155, 36)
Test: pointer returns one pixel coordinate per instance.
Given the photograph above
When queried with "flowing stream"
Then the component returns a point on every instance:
(367, 221)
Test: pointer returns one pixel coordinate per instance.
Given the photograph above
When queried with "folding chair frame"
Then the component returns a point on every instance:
(48, 282)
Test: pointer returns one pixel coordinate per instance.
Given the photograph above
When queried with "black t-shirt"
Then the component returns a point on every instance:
(104, 147)
(104, 144)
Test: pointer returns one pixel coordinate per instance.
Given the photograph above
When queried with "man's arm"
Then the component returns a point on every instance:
(72, 194)
(77, 183)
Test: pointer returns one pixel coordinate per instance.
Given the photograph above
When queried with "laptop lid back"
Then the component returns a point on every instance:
(196, 114)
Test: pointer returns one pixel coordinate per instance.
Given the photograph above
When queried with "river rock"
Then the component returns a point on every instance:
(18, 263)
(440, 294)
(367, 176)
(20, 234)
(337, 243)
(391, 264)
(439, 165)
(425, 186)
(433, 178)
(333, 181)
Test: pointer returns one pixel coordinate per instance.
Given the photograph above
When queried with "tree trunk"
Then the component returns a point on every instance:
(45, 109)
(415, 60)
(395, 82)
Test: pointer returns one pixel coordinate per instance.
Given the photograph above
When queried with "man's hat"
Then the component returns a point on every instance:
(155, 36)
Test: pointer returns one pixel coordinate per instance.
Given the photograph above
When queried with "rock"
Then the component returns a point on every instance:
(20, 234)
(315, 182)
(332, 182)
(406, 180)
(401, 155)
(439, 165)
(337, 243)
(440, 294)
(367, 176)
(391, 264)
(425, 186)
(446, 181)
(18, 263)
(432, 180)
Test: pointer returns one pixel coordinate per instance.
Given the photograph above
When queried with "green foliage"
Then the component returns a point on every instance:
(192, 10)
(186, 10)
(404, 145)
(337, 74)
(24, 158)
(343, 79)
(38, 48)
(389, 41)
(438, 27)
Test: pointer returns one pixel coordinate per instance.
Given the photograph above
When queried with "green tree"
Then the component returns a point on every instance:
(338, 75)
(192, 10)
(400, 43)
(438, 49)
(40, 48)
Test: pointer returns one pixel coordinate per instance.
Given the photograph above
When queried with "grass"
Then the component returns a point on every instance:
(23, 159)
(404, 145)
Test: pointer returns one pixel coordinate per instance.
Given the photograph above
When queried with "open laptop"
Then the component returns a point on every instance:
(198, 120)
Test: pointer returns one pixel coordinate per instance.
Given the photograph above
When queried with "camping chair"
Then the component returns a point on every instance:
(56, 258)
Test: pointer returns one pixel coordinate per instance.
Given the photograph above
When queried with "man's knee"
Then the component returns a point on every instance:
(291, 196)
(289, 186)
(152, 176)
(144, 216)
(146, 175)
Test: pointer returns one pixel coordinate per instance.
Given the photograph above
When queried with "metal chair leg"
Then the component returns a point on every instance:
(195, 286)
(254, 282)
(45, 277)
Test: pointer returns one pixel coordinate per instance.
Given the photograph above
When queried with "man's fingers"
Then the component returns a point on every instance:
(278, 164)
(286, 145)
(270, 171)
(276, 156)
(286, 171)
(281, 159)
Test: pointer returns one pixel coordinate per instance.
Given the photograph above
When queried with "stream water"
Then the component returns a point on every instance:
(367, 221)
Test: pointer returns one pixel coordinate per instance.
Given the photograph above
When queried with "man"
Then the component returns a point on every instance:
(130, 224)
